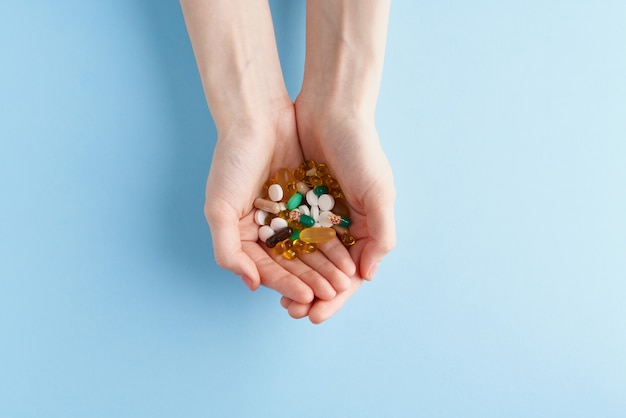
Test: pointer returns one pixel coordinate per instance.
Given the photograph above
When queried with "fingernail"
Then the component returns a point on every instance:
(247, 281)
(372, 271)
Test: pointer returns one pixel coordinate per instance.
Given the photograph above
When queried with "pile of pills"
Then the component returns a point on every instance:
(302, 208)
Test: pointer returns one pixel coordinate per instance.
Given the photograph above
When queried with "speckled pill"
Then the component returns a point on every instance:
(279, 236)
(317, 235)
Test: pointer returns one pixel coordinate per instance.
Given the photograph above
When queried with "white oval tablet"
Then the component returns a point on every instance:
(315, 213)
(278, 224)
(260, 217)
(311, 198)
(305, 210)
(275, 192)
(325, 219)
(326, 202)
(265, 232)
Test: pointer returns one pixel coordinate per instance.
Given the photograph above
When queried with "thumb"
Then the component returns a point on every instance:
(228, 252)
(381, 240)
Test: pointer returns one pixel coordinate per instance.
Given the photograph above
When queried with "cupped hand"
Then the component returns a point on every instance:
(246, 153)
(349, 144)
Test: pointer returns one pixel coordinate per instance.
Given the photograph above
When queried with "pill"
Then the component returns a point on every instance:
(308, 164)
(322, 170)
(283, 177)
(291, 188)
(311, 198)
(265, 232)
(325, 219)
(278, 223)
(315, 212)
(267, 205)
(316, 181)
(326, 202)
(339, 220)
(299, 173)
(302, 188)
(304, 209)
(320, 190)
(317, 235)
(307, 220)
(279, 236)
(294, 201)
(295, 234)
(290, 254)
(260, 217)
(275, 192)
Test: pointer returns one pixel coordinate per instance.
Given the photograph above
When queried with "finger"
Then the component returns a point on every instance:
(381, 240)
(339, 256)
(320, 286)
(285, 302)
(299, 310)
(321, 264)
(227, 248)
(321, 310)
(276, 277)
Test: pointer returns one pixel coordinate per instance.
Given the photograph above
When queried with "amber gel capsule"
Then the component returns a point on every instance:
(317, 235)
(279, 236)
(267, 205)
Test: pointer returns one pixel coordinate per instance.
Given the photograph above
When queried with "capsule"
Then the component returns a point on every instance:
(299, 173)
(307, 220)
(320, 190)
(339, 220)
(347, 239)
(291, 187)
(283, 177)
(309, 247)
(294, 201)
(302, 188)
(290, 254)
(279, 236)
(322, 170)
(267, 205)
(295, 235)
(317, 235)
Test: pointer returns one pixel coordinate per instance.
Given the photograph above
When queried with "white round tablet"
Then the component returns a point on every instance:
(278, 224)
(260, 217)
(265, 232)
(311, 198)
(326, 202)
(275, 192)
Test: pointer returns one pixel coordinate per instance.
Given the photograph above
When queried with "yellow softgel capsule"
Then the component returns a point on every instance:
(347, 239)
(280, 247)
(309, 247)
(290, 254)
(317, 235)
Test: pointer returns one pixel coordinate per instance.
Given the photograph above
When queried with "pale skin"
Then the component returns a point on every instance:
(261, 130)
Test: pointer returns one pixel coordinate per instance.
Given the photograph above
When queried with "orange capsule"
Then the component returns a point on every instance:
(317, 235)
(290, 254)
(322, 170)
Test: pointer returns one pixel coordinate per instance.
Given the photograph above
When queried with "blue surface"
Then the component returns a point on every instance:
(505, 124)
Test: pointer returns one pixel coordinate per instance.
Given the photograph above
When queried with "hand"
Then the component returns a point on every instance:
(350, 146)
(245, 155)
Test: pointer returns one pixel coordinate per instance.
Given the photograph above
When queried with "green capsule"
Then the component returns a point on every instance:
(295, 235)
(307, 220)
(320, 190)
(294, 201)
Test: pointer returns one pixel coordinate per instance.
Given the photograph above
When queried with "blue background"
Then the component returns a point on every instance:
(505, 123)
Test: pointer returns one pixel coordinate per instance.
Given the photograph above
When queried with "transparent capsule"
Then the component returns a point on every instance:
(337, 194)
(298, 245)
(316, 181)
(299, 173)
(309, 247)
(280, 248)
(331, 182)
(322, 170)
(317, 235)
(291, 188)
(347, 239)
(290, 254)
(308, 164)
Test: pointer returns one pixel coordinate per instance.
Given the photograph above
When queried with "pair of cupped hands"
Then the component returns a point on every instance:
(249, 150)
